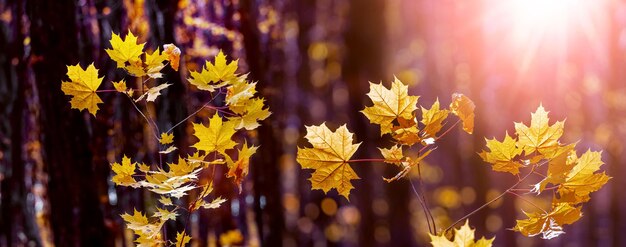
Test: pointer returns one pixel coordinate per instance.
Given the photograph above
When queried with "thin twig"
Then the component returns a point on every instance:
(192, 114)
(526, 200)
(489, 202)
(144, 116)
(432, 218)
(424, 208)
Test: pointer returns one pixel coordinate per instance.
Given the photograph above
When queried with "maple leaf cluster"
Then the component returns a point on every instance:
(216, 144)
(571, 177)
(395, 111)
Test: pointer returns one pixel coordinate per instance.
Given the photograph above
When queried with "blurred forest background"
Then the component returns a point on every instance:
(312, 60)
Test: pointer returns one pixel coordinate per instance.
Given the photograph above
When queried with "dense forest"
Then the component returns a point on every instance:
(311, 66)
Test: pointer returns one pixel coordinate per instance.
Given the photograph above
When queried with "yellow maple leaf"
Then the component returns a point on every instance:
(254, 112)
(581, 180)
(406, 133)
(126, 50)
(329, 158)
(463, 107)
(239, 94)
(389, 104)
(502, 155)
(136, 221)
(154, 63)
(216, 203)
(166, 138)
(124, 172)
(164, 214)
(171, 183)
(214, 76)
(216, 137)
(166, 201)
(82, 87)
(392, 155)
(152, 93)
(143, 167)
(221, 70)
(432, 119)
(540, 136)
(239, 169)
(120, 86)
(408, 165)
(463, 237)
(550, 224)
(182, 167)
(135, 68)
(182, 239)
(173, 55)
(563, 160)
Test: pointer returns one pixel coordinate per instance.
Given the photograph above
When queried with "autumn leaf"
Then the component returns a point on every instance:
(253, 113)
(120, 86)
(463, 107)
(153, 92)
(239, 169)
(582, 179)
(148, 232)
(502, 155)
(182, 167)
(540, 136)
(126, 50)
(392, 155)
(143, 167)
(82, 87)
(124, 172)
(182, 239)
(239, 94)
(164, 214)
(154, 63)
(389, 104)
(463, 237)
(408, 165)
(550, 224)
(173, 55)
(406, 133)
(563, 160)
(166, 138)
(168, 150)
(214, 76)
(166, 201)
(221, 70)
(170, 183)
(216, 203)
(216, 137)
(136, 221)
(135, 68)
(432, 120)
(329, 158)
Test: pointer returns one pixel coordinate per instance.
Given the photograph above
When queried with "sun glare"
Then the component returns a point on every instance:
(544, 17)
(533, 27)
